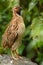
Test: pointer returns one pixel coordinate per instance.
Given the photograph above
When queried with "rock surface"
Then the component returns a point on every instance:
(6, 60)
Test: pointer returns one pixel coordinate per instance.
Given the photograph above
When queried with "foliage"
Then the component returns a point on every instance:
(32, 42)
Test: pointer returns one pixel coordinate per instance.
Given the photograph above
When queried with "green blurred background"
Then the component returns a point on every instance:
(32, 12)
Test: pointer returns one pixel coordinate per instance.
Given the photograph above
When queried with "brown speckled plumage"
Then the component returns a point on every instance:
(13, 34)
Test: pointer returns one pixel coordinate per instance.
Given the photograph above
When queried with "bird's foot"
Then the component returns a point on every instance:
(16, 57)
(19, 57)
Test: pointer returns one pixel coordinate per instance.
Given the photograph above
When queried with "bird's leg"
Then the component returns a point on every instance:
(15, 55)
(18, 56)
(14, 52)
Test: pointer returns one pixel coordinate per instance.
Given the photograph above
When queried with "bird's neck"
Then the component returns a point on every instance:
(15, 15)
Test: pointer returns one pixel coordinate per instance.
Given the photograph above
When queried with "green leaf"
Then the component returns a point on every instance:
(20, 49)
(15, 2)
(27, 32)
(41, 63)
(37, 26)
(32, 45)
(2, 51)
(31, 54)
(32, 5)
(40, 57)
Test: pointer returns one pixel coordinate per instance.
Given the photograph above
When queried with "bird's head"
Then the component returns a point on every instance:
(17, 9)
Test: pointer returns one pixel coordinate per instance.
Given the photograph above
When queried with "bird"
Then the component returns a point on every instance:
(13, 34)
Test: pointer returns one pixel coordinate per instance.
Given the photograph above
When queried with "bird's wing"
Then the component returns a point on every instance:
(10, 34)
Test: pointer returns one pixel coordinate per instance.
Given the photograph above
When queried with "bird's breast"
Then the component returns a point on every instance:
(21, 29)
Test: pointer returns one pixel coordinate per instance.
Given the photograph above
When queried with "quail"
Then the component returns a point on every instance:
(14, 32)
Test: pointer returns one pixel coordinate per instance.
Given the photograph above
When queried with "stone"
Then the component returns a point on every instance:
(7, 60)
